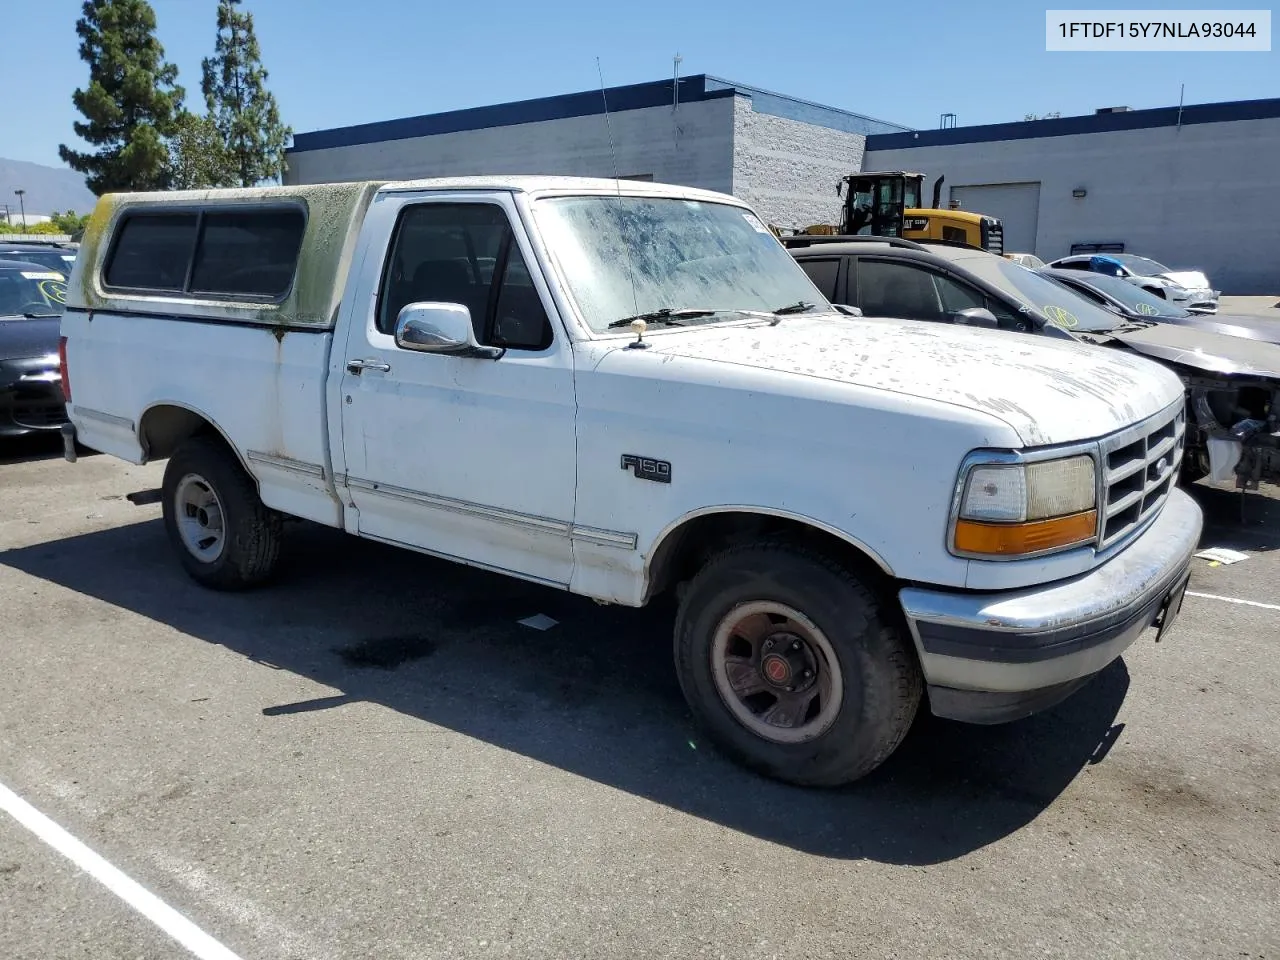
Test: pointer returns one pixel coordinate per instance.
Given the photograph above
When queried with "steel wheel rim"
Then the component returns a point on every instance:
(759, 672)
(200, 520)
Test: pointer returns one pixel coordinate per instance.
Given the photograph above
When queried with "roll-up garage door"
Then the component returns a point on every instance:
(1017, 204)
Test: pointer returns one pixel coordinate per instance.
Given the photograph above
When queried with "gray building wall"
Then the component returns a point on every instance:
(788, 169)
(1200, 196)
(692, 146)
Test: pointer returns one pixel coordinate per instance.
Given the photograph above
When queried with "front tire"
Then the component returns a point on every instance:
(788, 662)
(225, 536)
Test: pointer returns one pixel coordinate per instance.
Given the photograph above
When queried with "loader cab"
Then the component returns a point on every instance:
(875, 204)
(890, 204)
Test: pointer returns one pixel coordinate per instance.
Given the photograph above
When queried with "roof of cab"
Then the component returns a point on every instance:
(554, 184)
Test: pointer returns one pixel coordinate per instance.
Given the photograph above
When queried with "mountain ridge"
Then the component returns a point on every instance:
(47, 189)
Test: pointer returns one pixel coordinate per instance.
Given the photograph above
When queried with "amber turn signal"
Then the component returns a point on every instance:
(1015, 539)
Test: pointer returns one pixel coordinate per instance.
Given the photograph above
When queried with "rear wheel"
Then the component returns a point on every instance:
(789, 664)
(225, 536)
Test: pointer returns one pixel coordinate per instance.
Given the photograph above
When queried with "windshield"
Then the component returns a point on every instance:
(1135, 299)
(1139, 265)
(626, 256)
(1060, 306)
(31, 293)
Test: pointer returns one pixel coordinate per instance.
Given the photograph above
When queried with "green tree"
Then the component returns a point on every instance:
(132, 102)
(198, 156)
(243, 110)
(70, 222)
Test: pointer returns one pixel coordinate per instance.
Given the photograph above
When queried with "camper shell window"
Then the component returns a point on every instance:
(220, 252)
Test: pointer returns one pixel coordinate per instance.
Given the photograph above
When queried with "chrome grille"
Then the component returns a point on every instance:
(1139, 469)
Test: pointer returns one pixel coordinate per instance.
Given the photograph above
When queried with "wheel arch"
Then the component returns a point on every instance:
(166, 423)
(692, 538)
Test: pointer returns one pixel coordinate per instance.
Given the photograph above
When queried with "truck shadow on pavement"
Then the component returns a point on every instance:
(594, 695)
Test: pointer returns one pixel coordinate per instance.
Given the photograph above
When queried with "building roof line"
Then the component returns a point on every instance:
(1186, 115)
(585, 103)
(748, 90)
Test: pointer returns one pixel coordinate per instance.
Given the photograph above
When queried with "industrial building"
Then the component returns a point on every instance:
(783, 155)
(1192, 186)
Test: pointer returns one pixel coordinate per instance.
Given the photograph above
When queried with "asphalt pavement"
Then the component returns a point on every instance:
(372, 758)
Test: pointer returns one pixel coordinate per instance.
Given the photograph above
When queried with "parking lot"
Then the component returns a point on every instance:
(373, 758)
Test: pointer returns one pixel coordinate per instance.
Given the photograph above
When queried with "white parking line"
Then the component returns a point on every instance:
(1243, 603)
(199, 943)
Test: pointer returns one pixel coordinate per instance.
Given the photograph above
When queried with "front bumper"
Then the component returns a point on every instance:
(1201, 301)
(30, 397)
(993, 657)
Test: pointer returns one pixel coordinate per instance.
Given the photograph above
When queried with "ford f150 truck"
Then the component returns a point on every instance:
(622, 389)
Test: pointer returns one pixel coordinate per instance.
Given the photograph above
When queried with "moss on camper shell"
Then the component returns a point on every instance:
(334, 216)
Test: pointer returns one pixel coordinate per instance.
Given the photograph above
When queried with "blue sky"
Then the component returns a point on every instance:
(337, 62)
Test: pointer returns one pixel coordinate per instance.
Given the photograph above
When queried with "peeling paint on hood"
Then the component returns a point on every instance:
(1049, 391)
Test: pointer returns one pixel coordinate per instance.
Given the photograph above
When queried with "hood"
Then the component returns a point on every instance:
(1229, 324)
(22, 339)
(1204, 349)
(1188, 279)
(1050, 391)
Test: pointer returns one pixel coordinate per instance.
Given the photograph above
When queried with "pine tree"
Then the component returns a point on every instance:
(132, 102)
(240, 106)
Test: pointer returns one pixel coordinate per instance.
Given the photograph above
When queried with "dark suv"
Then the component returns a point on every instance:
(887, 277)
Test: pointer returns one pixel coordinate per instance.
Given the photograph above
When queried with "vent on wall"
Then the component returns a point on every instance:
(1078, 248)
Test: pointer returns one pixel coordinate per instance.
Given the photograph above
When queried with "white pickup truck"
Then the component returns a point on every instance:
(854, 514)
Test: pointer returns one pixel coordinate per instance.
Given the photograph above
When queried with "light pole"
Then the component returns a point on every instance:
(23, 208)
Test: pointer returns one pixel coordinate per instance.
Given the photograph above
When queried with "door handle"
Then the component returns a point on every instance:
(355, 366)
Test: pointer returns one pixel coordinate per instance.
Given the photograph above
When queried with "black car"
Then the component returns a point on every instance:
(1233, 383)
(51, 255)
(31, 298)
(1120, 296)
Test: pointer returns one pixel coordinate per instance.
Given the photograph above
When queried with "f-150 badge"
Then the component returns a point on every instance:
(646, 468)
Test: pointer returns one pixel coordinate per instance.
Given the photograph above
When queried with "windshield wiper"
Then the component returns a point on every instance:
(800, 306)
(38, 316)
(666, 316)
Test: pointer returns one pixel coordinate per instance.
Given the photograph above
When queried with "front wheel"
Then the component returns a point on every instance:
(225, 536)
(789, 664)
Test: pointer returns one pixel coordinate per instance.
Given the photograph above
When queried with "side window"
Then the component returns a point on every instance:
(251, 253)
(152, 252)
(519, 322)
(464, 253)
(958, 296)
(1086, 291)
(887, 289)
(823, 273)
(213, 252)
(1074, 265)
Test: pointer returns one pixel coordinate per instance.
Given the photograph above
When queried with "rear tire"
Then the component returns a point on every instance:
(789, 664)
(226, 538)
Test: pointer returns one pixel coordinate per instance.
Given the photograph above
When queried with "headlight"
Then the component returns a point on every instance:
(1019, 509)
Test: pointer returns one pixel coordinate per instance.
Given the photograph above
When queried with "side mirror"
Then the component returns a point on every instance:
(977, 317)
(847, 310)
(440, 328)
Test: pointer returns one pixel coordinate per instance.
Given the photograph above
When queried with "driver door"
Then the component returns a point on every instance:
(467, 458)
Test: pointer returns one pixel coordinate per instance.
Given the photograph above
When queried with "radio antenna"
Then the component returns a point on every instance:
(639, 325)
(604, 97)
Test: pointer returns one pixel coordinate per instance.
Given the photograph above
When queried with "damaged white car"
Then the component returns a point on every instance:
(1188, 289)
